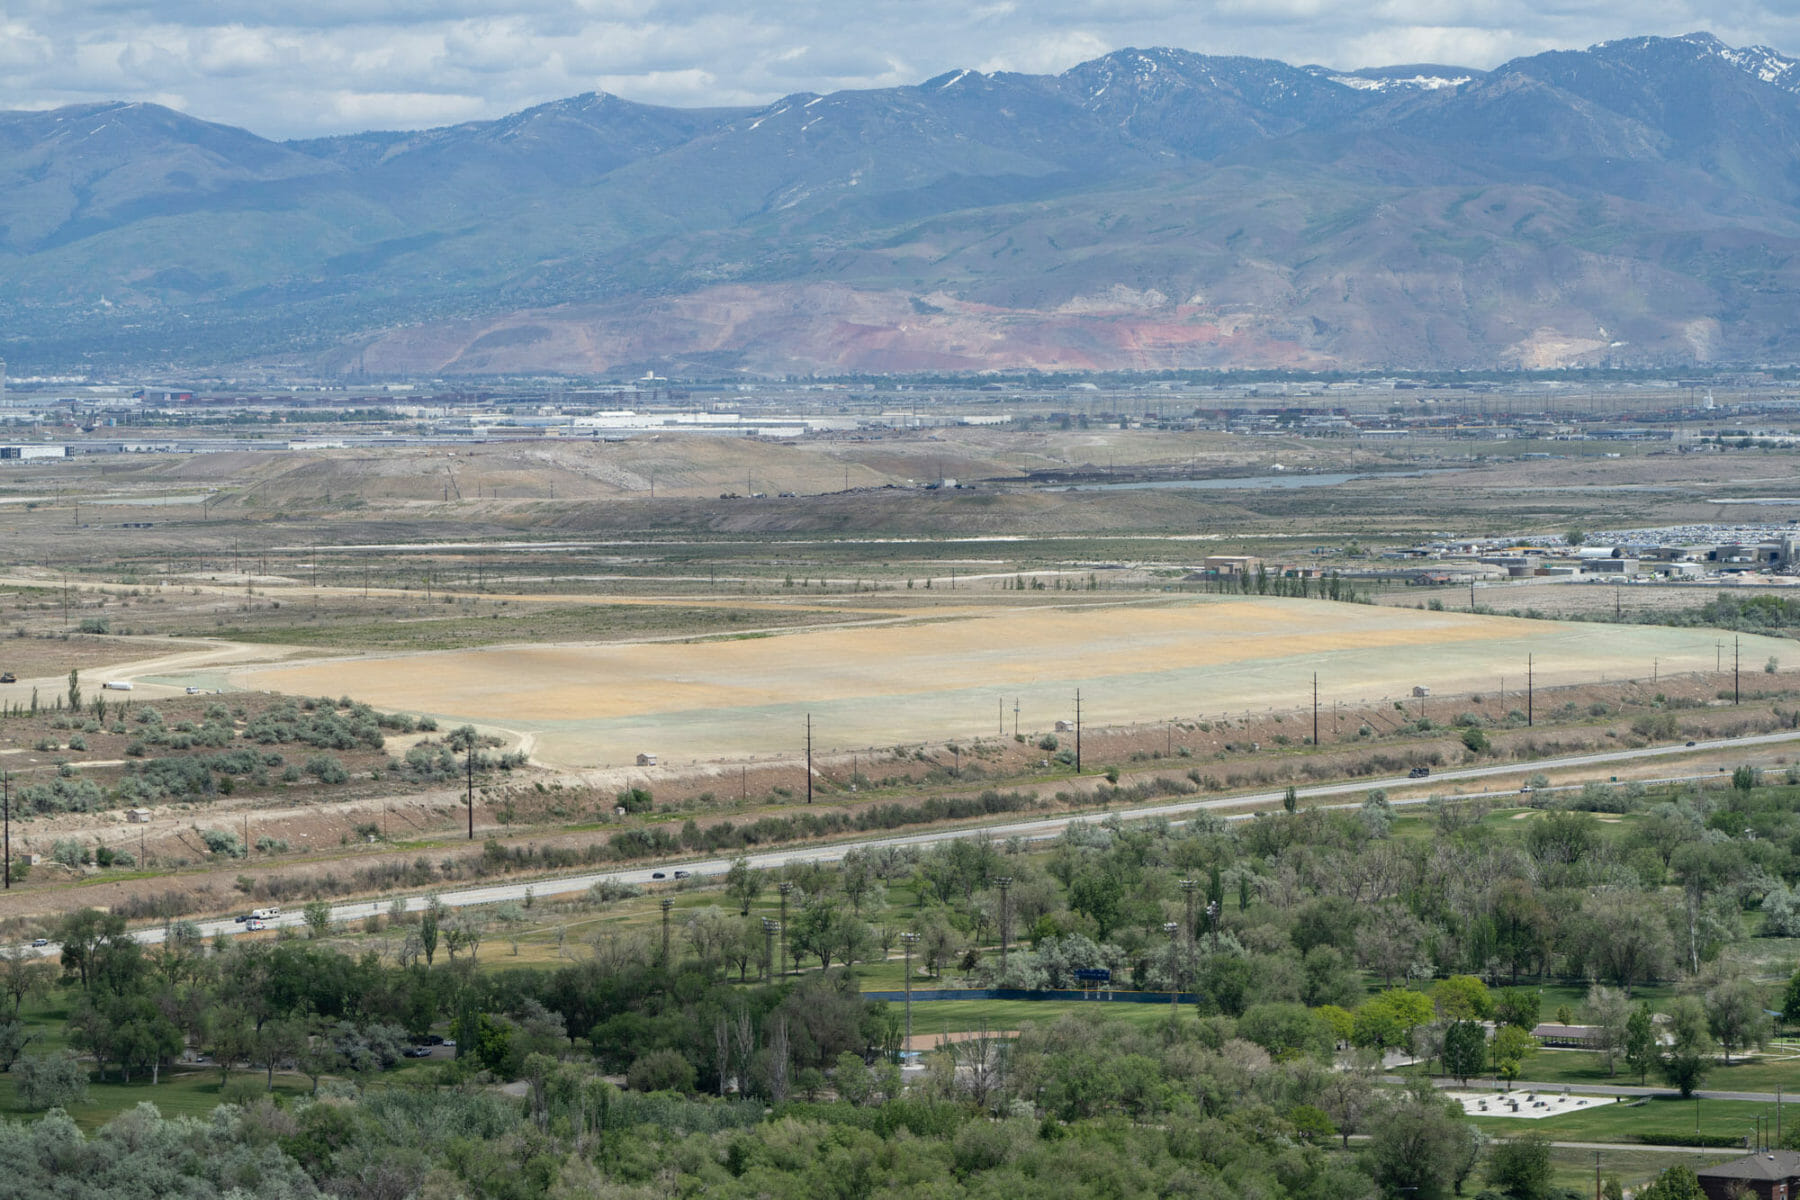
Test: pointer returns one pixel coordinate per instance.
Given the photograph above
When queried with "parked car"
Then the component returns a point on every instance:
(40, 941)
(417, 1052)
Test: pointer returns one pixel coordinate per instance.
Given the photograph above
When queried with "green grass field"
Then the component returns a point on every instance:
(1761, 1074)
(1647, 1123)
(179, 1093)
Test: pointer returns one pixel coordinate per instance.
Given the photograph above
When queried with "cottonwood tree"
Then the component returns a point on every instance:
(1735, 1017)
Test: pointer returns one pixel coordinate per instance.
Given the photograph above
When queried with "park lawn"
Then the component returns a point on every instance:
(180, 1093)
(1760, 1074)
(967, 1016)
(1571, 1168)
(1656, 1118)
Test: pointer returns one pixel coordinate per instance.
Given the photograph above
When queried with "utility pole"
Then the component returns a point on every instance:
(1000, 701)
(6, 801)
(1003, 882)
(1078, 731)
(909, 940)
(1315, 708)
(1172, 929)
(1015, 716)
(469, 763)
(1735, 694)
(1528, 690)
(784, 887)
(809, 758)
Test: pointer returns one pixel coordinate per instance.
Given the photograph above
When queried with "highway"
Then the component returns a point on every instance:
(1032, 830)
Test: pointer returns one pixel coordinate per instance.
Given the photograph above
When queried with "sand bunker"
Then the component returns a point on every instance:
(956, 674)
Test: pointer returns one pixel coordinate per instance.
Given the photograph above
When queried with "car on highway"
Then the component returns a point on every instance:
(8, 677)
(1525, 790)
(1419, 773)
(1692, 743)
(681, 874)
(657, 875)
(241, 918)
(255, 923)
(40, 941)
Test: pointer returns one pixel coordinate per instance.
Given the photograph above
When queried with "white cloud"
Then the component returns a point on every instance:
(286, 69)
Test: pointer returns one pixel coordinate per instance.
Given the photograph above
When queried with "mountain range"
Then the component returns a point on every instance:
(1633, 204)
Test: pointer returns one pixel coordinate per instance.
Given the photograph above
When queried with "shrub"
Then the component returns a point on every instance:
(326, 769)
(45, 1081)
(219, 841)
(661, 1071)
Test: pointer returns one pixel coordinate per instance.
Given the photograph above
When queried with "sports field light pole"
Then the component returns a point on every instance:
(1735, 663)
(1173, 930)
(1003, 882)
(770, 925)
(6, 800)
(1188, 888)
(667, 904)
(909, 940)
(809, 758)
(784, 887)
(1315, 708)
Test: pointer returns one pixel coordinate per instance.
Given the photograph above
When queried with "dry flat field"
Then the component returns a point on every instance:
(959, 673)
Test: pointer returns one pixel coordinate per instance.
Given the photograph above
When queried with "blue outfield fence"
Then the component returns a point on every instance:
(1103, 994)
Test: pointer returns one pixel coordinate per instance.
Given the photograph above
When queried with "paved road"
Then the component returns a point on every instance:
(1031, 830)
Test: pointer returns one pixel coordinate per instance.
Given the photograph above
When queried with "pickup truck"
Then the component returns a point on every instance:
(8, 677)
(1419, 773)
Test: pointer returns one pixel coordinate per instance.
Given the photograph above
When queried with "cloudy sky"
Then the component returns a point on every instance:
(293, 68)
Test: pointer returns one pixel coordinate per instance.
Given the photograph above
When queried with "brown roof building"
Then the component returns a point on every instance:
(1769, 1175)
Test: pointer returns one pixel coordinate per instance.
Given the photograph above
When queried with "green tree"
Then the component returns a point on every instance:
(55, 1080)
(1462, 998)
(1676, 1183)
(1735, 1016)
(1686, 1061)
(1511, 1045)
(318, 918)
(1518, 1006)
(1422, 1147)
(743, 884)
(1520, 1166)
(1465, 1049)
(75, 691)
(1387, 1019)
(428, 927)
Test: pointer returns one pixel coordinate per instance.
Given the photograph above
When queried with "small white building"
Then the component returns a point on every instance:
(1421, 691)
(646, 760)
(138, 816)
